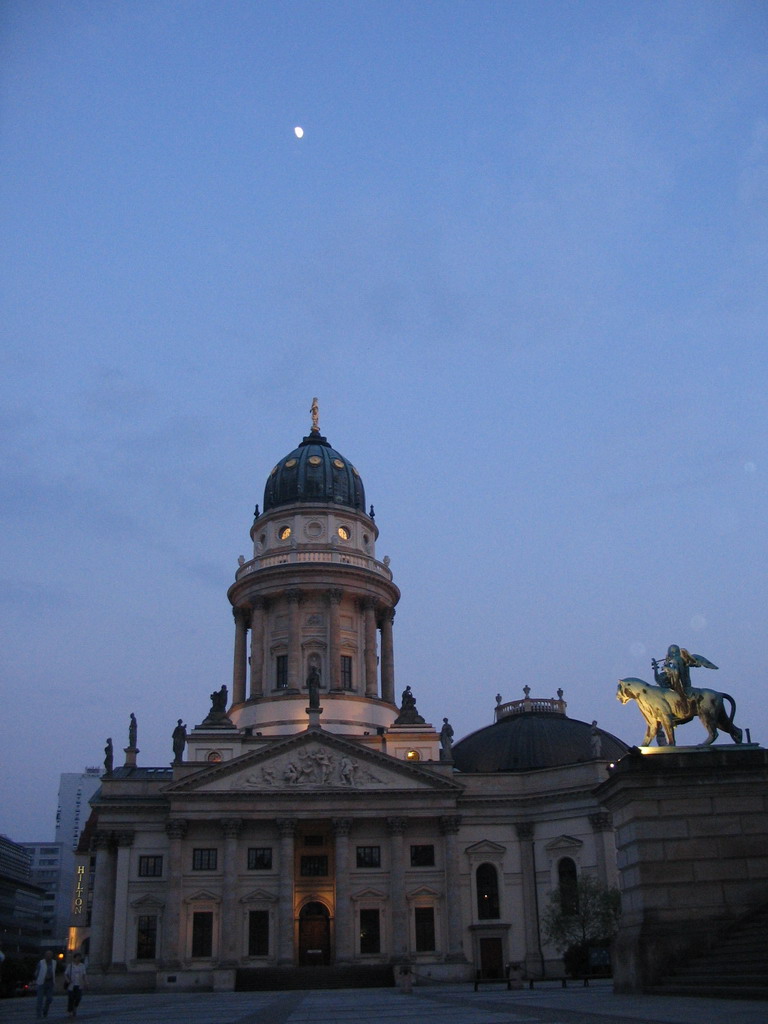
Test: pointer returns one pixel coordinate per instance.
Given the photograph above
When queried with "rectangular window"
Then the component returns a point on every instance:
(150, 867)
(314, 866)
(346, 672)
(146, 937)
(281, 671)
(204, 860)
(424, 920)
(258, 933)
(370, 932)
(202, 933)
(369, 856)
(260, 858)
(422, 856)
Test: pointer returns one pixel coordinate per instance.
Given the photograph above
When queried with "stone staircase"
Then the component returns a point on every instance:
(277, 979)
(736, 968)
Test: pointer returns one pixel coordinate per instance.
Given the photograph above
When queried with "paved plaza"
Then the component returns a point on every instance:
(439, 1004)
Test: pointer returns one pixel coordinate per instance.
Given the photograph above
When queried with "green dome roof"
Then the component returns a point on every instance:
(535, 739)
(314, 473)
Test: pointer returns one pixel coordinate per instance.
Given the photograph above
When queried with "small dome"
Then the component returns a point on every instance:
(533, 739)
(314, 472)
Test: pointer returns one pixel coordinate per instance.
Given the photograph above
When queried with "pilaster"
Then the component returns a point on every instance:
(286, 828)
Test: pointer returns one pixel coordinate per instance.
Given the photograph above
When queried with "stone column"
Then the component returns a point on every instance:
(399, 911)
(172, 954)
(239, 669)
(449, 826)
(103, 910)
(387, 656)
(231, 926)
(344, 923)
(285, 913)
(371, 681)
(122, 875)
(334, 639)
(534, 960)
(257, 647)
(293, 597)
(602, 826)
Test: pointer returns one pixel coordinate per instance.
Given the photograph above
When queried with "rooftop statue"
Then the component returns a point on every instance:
(446, 741)
(409, 714)
(675, 702)
(179, 737)
(313, 686)
(219, 701)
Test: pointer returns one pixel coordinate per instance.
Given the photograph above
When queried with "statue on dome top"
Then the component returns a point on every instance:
(315, 411)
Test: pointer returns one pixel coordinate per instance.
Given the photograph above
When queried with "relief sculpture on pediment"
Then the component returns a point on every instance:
(312, 768)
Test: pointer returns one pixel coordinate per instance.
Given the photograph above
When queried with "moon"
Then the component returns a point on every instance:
(298, 132)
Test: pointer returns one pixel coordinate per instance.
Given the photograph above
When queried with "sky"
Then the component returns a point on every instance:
(520, 257)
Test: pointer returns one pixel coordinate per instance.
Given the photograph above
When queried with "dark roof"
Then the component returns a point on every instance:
(314, 472)
(530, 740)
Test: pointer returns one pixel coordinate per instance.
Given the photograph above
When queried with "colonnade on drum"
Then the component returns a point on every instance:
(254, 618)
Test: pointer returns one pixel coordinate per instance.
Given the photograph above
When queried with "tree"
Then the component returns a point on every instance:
(576, 919)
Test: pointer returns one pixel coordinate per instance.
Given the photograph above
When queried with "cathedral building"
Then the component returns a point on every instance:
(315, 818)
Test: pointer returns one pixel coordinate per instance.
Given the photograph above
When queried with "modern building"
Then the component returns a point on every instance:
(46, 871)
(52, 864)
(75, 792)
(21, 901)
(315, 818)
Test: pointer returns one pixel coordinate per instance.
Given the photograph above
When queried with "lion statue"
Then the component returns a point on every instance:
(663, 709)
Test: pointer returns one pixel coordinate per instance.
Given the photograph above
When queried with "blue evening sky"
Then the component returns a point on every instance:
(520, 257)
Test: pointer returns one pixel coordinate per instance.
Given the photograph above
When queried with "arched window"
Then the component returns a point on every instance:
(569, 893)
(487, 892)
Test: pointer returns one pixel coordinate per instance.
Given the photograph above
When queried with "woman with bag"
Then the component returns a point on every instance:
(74, 982)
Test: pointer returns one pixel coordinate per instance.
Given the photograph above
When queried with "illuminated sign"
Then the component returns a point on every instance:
(78, 906)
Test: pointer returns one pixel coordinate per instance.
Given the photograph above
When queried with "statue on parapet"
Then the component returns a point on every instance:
(109, 757)
(133, 730)
(675, 702)
(179, 742)
(219, 701)
(408, 713)
(446, 741)
(313, 686)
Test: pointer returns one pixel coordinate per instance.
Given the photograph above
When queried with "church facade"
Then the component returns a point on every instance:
(315, 818)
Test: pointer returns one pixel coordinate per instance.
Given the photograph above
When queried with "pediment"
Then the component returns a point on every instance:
(563, 843)
(311, 761)
(486, 848)
(259, 896)
(203, 896)
(148, 902)
(424, 892)
(369, 894)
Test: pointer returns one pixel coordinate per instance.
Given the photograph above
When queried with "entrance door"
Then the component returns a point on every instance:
(314, 934)
(491, 958)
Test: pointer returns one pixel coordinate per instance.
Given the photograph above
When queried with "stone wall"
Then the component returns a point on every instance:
(691, 827)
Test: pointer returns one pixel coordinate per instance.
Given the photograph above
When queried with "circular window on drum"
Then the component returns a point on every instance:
(314, 529)
(214, 757)
(284, 532)
(343, 532)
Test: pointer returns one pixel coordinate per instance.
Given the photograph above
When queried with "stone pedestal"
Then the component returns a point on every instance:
(691, 826)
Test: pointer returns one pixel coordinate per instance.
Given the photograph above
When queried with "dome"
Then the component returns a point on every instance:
(529, 740)
(314, 472)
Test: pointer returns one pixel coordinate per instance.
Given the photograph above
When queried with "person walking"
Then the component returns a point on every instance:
(44, 982)
(74, 981)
